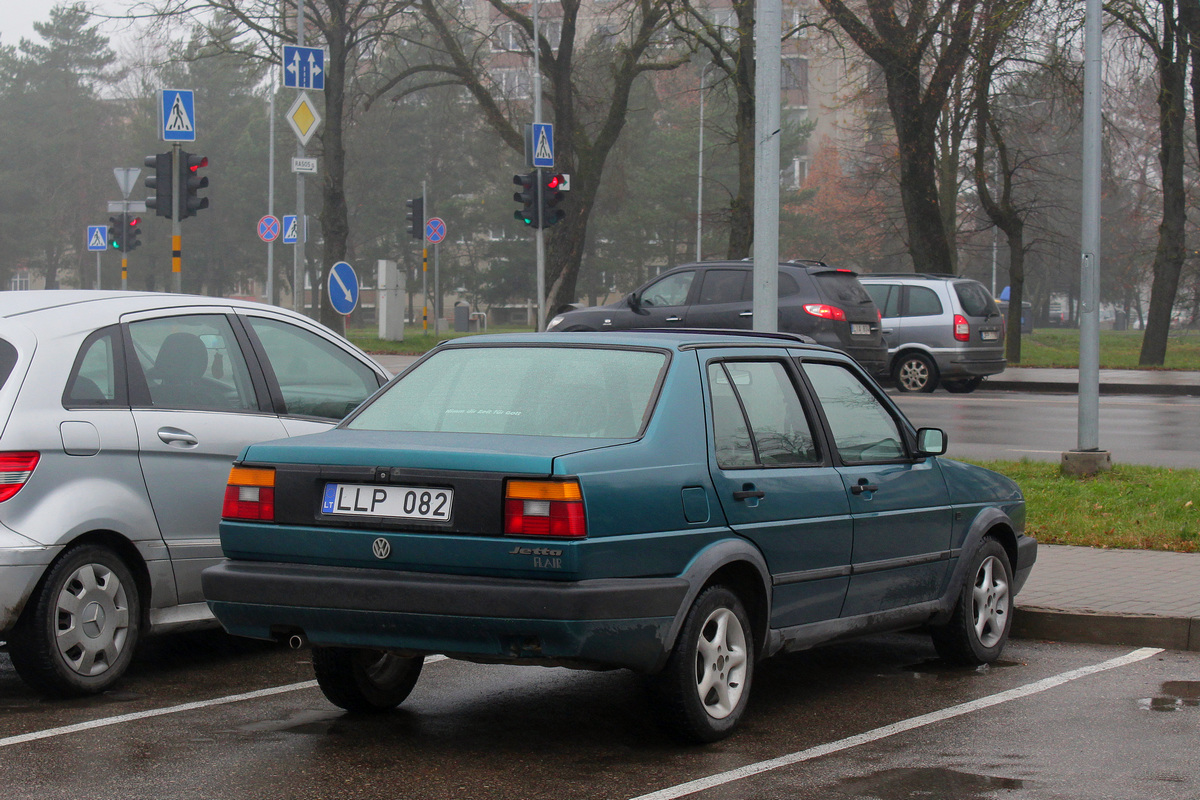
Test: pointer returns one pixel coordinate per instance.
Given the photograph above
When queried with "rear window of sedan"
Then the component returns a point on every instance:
(841, 287)
(580, 392)
(976, 301)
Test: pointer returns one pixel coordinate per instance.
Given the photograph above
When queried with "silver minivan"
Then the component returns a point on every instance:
(120, 416)
(939, 329)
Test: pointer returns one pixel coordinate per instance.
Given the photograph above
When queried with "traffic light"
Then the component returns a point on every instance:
(161, 183)
(551, 196)
(116, 231)
(132, 232)
(527, 197)
(191, 182)
(416, 217)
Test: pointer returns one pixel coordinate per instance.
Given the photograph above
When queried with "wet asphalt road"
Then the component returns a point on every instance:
(471, 731)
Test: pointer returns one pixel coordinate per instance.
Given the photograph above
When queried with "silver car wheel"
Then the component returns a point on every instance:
(91, 620)
(721, 663)
(915, 373)
(990, 602)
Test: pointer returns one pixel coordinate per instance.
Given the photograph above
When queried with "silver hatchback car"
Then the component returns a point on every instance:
(939, 329)
(120, 416)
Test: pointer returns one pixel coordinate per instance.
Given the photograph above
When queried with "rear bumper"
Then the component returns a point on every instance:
(609, 623)
(982, 367)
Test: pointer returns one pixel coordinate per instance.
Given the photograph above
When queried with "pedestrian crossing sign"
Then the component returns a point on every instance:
(177, 115)
(97, 237)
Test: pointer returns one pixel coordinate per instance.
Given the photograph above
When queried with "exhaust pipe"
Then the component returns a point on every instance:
(297, 641)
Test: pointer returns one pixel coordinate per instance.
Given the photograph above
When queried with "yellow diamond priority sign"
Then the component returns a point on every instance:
(303, 118)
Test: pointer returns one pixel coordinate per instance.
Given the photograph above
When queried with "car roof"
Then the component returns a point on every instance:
(13, 304)
(673, 338)
(916, 276)
(810, 266)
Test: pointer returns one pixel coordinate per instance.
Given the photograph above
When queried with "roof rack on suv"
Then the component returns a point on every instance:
(929, 275)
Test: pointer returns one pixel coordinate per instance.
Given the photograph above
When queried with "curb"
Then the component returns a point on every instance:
(1175, 390)
(1170, 633)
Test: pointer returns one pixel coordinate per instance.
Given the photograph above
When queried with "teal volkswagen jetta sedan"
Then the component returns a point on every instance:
(679, 503)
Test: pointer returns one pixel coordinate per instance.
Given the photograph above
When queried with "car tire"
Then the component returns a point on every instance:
(80, 629)
(705, 686)
(963, 385)
(915, 372)
(978, 629)
(365, 681)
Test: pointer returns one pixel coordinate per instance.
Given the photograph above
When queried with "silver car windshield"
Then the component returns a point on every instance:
(582, 392)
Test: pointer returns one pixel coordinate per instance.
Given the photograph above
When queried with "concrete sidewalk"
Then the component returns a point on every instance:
(1112, 381)
(1139, 598)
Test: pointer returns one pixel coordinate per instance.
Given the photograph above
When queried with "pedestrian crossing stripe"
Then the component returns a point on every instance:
(178, 120)
(98, 239)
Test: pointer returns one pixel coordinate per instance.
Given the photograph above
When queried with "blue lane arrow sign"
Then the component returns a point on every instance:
(97, 237)
(177, 115)
(343, 288)
(304, 67)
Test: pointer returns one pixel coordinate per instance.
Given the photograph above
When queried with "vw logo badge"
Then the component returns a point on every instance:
(381, 548)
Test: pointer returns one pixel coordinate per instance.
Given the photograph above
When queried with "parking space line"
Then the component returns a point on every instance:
(701, 784)
(160, 712)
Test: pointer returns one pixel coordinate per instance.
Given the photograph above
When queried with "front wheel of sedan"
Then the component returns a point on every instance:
(915, 372)
(706, 684)
(80, 628)
(365, 681)
(978, 629)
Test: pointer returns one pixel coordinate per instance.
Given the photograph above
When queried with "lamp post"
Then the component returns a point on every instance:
(700, 166)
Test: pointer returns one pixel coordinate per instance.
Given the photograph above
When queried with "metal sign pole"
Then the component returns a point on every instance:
(180, 185)
(541, 232)
(301, 219)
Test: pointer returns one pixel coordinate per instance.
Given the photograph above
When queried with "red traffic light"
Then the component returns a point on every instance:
(133, 222)
(200, 161)
(554, 181)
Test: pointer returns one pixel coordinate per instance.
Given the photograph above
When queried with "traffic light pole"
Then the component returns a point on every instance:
(301, 219)
(176, 225)
(424, 267)
(537, 119)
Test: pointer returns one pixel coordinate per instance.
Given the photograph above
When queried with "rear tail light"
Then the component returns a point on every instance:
(962, 328)
(544, 508)
(825, 311)
(250, 494)
(15, 469)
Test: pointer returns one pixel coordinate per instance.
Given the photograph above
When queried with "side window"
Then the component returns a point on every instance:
(886, 297)
(787, 286)
(94, 377)
(316, 378)
(670, 291)
(863, 430)
(772, 431)
(193, 362)
(922, 302)
(723, 286)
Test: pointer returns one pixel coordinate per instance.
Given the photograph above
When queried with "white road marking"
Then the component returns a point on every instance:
(702, 784)
(160, 712)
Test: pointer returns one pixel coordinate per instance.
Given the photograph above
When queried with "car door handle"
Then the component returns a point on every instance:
(177, 438)
(745, 495)
(887, 331)
(674, 319)
(863, 486)
(746, 314)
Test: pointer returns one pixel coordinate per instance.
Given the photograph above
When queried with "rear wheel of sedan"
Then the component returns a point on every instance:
(365, 681)
(963, 385)
(706, 684)
(978, 629)
(79, 631)
(915, 372)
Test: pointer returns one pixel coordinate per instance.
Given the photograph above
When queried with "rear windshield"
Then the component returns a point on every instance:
(8, 360)
(975, 300)
(841, 288)
(591, 393)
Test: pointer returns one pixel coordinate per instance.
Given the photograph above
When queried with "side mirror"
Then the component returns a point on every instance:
(635, 301)
(931, 442)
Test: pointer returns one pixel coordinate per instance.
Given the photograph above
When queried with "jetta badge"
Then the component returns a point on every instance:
(381, 548)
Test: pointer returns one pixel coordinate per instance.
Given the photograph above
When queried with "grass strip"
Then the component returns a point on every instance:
(1130, 507)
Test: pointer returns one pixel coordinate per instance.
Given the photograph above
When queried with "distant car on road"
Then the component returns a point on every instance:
(825, 303)
(679, 503)
(121, 413)
(939, 329)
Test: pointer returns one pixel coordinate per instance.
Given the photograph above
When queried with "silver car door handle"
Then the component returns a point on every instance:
(674, 319)
(746, 314)
(886, 331)
(177, 437)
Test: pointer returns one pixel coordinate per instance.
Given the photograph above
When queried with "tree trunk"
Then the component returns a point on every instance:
(1168, 258)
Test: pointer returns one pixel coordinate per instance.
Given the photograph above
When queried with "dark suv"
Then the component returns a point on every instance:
(825, 303)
